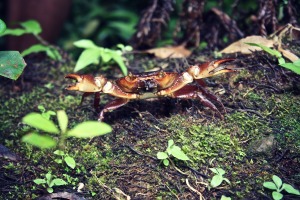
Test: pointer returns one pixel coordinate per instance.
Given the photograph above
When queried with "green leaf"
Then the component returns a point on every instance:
(292, 67)
(59, 152)
(53, 54)
(216, 181)
(90, 129)
(214, 170)
(162, 155)
(220, 171)
(42, 48)
(225, 198)
(48, 178)
(32, 26)
(277, 195)
(281, 60)
(290, 189)
(12, 64)
(86, 58)
(70, 162)
(41, 141)
(39, 181)
(86, 44)
(2, 26)
(166, 162)
(62, 119)
(277, 181)
(58, 182)
(14, 32)
(267, 49)
(50, 190)
(297, 63)
(270, 185)
(36, 120)
(106, 56)
(170, 144)
(178, 153)
(119, 60)
(59, 161)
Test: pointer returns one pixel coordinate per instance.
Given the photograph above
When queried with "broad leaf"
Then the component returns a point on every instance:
(58, 182)
(36, 120)
(12, 64)
(292, 67)
(87, 57)
(270, 185)
(90, 129)
(70, 162)
(32, 26)
(290, 189)
(38, 140)
(178, 153)
(216, 181)
(59, 152)
(166, 162)
(62, 119)
(267, 49)
(277, 195)
(214, 170)
(277, 181)
(119, 60)
(2, 26)
(220, 171)
(39, 181)
(87, 44)
(162, 155)
(37, 48)
(15, 32)
(50, 190)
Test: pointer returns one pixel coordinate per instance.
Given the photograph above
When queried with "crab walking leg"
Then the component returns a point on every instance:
(192, 92)
(96, 98)
(117, 103)
(211, 96)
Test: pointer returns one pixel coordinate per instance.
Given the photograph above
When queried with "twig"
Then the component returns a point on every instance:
(194, 190)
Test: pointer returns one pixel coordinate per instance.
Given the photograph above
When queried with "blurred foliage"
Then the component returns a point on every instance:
(104, 22)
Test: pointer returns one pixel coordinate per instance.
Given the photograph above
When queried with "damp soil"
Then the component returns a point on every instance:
(261, 100)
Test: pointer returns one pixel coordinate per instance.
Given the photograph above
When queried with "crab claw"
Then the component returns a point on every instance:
(86, 83)
(210, 68)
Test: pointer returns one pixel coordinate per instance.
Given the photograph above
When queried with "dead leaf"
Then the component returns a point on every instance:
(240, 46)
(170, 52)
(290, 32)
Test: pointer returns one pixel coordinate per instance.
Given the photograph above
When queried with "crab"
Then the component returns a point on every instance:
(156, 84)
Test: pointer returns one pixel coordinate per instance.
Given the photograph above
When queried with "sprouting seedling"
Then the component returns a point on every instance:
(172, 150)
(34, 28)
(48, 182)
(85, 129)
(93, 54)
(218, 178)
(277, 186)
(293, 66)
(65, 157)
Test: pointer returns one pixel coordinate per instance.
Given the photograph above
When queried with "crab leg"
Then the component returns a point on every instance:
(192, 92)
(117, 103)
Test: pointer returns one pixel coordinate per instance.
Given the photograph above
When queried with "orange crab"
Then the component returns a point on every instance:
(153, 85)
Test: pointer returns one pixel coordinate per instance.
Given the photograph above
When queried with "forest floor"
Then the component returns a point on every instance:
(258, 137)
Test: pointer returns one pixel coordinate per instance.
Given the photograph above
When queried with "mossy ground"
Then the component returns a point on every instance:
(259, 101)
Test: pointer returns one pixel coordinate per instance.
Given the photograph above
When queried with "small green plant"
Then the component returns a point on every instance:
(49, 181)
(172, 150)
(278, 187)
(83, 130)
(12, 63)
(65, 157)
(93, 54)
(294, 66)
(225, 198)
(218, 178)
(46, 113)
(34, 28)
